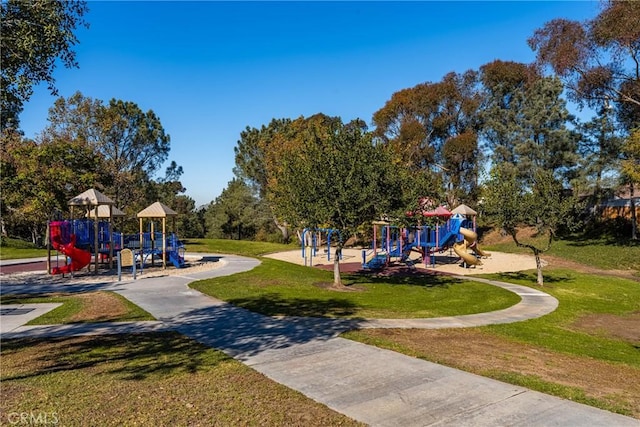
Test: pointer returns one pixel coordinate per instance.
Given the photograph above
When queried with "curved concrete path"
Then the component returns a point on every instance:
(372, 385)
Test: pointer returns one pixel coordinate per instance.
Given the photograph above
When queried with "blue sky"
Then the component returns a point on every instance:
(210, 69)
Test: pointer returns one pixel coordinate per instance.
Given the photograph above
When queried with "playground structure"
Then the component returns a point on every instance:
(312, 239)
(73, 238)
(396, 243)
(159, 243)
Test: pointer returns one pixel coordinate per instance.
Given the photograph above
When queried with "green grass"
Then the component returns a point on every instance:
(72, 305)
(16, 249)
(145, 380)
(278, 288)
(602, 253)
(237, 247)
(579, 295)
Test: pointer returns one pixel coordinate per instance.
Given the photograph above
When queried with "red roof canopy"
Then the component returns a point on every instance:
(440, 211)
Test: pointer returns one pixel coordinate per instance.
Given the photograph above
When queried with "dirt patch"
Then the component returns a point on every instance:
(497, 236)
(99, 307)
(556, 262)
(485, 354)
(623, 327)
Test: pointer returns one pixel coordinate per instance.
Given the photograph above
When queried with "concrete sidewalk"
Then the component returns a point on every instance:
(375, 386)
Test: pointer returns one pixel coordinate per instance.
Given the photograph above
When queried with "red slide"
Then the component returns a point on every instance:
(79, 258)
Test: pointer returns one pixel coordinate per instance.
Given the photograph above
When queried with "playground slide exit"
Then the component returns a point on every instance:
(470, 241)
(79, 258)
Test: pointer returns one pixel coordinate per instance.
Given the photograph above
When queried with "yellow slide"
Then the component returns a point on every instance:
(470, 239)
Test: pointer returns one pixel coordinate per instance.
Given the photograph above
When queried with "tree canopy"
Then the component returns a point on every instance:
(132, 143)
(598, 59)
(434, 127)
(327, 174)
(35, 34)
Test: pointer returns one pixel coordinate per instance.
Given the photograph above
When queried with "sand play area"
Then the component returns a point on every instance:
(446, 262)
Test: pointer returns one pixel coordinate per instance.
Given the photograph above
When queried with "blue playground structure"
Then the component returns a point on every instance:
(152, 247)
(83, 231)
(398, 243)
(312, 239)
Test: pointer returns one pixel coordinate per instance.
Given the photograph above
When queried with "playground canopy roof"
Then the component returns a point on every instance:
(91, 197)
(439, 211)
(103, 212)
(156, 210)
(464, 210)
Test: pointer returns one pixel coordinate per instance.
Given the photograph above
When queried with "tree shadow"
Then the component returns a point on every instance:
(402, 275)
(272, 304)
(129, 357)
(242, 333)
(531, 276)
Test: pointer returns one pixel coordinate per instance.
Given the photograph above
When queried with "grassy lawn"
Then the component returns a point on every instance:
(580, 296)
(145, 380)
(602, 253)
(16, 249)
(278, 288)
(586, 350)
(237, 247)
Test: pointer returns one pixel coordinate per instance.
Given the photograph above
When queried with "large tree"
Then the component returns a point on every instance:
(532, 150)
(235, 214)
(35, 35)
(132, 143)
(250, 159)
(631, 173)
(539, 202)
(599, 60)
(39, 179)
(525, 120)
(434, 127)
(327, 174)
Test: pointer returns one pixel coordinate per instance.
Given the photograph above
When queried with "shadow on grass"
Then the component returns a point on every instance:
(401, 276)
(605, 236)
(274, 305)
(531, 277)
(130, 357)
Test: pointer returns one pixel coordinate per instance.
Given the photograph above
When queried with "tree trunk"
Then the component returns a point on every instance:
(540, 280)
(284, 230)
(634, 219)
(337, 281)
(34, 235)
(536, 252)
